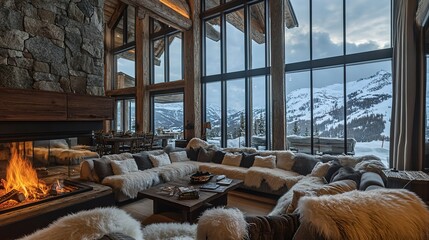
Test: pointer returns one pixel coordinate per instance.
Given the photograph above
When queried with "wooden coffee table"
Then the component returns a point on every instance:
(190, 209)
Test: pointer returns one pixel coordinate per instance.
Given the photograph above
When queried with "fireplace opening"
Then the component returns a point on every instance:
(23, 185)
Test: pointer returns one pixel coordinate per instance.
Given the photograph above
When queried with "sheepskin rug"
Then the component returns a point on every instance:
(196, 143)
(170, 231)
(131, 183)
(175, 170)
(275, 178)
(376, 214)
(222, 224)
(308, 182)
(91, 224)
(228, 171)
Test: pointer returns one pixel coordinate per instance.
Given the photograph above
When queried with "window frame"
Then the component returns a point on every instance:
(123, 100)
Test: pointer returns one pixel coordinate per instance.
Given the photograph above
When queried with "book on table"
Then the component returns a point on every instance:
(209, 186)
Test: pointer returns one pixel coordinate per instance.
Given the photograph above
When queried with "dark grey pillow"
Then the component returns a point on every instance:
(248, 159)
(192, 153)
(304, 163)
(102, 169)
(335, 165)
(218, 157)
(143, 161)
(205, 155)
(370, 179)
(347, 173)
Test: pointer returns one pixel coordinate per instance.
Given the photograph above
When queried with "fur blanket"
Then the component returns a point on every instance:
(170, 231)
(130, 184)
(91, 224)
(229, 171)
(175, 170)
(222, 224)
(376, 214)
(275, 178)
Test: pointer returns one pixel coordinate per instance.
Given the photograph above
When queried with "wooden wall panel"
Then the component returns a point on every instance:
(89, 107)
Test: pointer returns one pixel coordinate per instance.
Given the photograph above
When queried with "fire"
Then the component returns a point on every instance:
(21, 176)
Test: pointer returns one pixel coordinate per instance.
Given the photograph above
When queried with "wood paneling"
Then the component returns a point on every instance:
(89, 107)
(30, 105)
(166, 86)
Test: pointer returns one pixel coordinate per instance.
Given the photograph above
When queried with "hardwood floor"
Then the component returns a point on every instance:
(249, 204)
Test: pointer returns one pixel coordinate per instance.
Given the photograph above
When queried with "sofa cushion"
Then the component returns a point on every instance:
(143, 161)
(232, 159)
(248, 159)
(102, 168)
(304, 163)
(347, 173)
(192, 153)
(370, 179)
(205, 155)
(285, 160)
(178, 156)
(124, 166)
(218, 157)
(265, 161)
(320, 169)
(169, 149)
(335, 165)
(160, 160)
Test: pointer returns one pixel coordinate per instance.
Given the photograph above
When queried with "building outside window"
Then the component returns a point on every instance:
(125, 112)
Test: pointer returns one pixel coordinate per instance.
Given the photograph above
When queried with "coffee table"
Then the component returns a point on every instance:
(190, 209)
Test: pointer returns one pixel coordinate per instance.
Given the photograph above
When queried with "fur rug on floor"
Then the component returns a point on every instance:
(275, 178)
(91, 224)
(222, 224)
(375, 214)
(170, 231)
(131, 183)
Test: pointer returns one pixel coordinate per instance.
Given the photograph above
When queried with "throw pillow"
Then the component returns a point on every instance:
(335, 165)
(124, 166)
(160, 160)
(142, 160)
(169, 149)
(248, 159)
(205, 155)
(265, 161)
(329, 189)
(347, 173)
(232, 159)
(192, 153)
(218, 157)
(102, 169)
(320, 169)
(304, 163)
(285, 160)
(178, 156)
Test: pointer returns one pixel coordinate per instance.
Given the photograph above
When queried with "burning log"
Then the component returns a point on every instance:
(12, 195)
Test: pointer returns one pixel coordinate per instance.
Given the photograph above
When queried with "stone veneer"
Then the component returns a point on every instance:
(52, 45)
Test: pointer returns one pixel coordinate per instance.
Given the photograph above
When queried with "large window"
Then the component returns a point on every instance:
(338, 77)
(236, 73)
(166, 51)
(124, 50)
(167, 112)
(125, 115)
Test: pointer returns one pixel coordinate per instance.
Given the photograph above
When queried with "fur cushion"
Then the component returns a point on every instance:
(285, 160)
(265, 161)
(124, 166)
(320, 169)
(171, 231)
(160, 160)
(222, 224)
(91, 224)
(178, 156)
(232, 159)
(375, 214)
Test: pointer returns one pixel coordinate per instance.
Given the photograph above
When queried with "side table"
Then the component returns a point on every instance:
(416, 181)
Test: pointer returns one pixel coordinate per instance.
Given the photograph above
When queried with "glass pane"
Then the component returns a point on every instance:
(175, 57)
(257, 34)
(119, 34)
(327, 28)
(125, 69)
(367, 25)
(214, 113)
(158, 61)
(168, 117)
(130, 115)
(118, 116)
(131, 23)
(369, 106)
(157, 26)
(297, 39)
(208, 4)
(426, 164)
(236, 120)
(298, 111)
(328, 111)
(259, 113)
(212, 48)
(235, 41)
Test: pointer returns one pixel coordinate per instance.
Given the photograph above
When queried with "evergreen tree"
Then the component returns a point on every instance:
(295, 128)
(306, 131)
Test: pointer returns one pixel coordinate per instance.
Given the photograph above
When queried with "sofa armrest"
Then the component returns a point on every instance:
(87, 170)
(370, 180)
(272, 227)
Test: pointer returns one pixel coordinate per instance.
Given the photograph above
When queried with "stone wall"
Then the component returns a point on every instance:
(52, 45)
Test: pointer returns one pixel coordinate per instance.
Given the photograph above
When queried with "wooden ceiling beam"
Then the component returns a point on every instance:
(116, 14)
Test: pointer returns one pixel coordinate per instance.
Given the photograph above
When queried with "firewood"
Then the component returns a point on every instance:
(12, 195)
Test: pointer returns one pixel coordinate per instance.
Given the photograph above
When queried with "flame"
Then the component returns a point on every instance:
(21, 176)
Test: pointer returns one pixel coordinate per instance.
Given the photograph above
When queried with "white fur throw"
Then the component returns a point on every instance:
(377, 214)
(91, 224)
(175, 170)
(170, 231)
(131, 183)
(275, 178)
(196, 143)
(222, 224)
(229, 171)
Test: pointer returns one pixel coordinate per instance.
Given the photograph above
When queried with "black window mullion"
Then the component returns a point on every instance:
(344, 77)
(311, 79)
(248, 81)
(166, 58)
(223, 82)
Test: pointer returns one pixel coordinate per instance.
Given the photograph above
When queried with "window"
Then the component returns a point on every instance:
(167, 53)
(167, 114)
(124, 50)
(235, 74)
(125, 115)
(338, 101)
